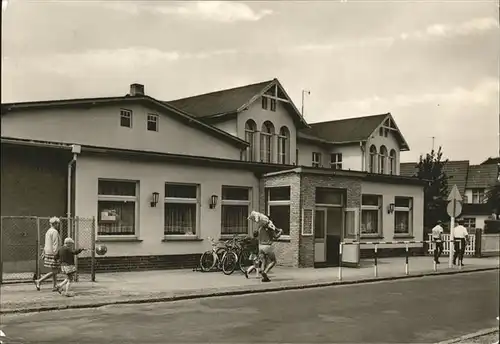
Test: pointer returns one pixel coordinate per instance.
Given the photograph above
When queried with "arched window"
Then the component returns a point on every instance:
(383, 160)
(392, 162)
(250, 129)
(373, 159)
(284, 146)
(266, 139)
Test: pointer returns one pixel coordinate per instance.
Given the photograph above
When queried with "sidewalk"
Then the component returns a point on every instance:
(170, 285)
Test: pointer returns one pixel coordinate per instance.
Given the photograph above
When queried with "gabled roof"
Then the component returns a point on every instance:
(461, 173)
(220, 104)
(89, 102)
(347, 130)
(491, 161)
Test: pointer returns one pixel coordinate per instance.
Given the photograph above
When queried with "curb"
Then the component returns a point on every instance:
(470, 336)
(246, 291)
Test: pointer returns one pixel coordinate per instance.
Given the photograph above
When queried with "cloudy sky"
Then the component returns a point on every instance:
(433, 64)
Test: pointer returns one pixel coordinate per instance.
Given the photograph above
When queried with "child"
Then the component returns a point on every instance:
(66, 255)
(253, 246)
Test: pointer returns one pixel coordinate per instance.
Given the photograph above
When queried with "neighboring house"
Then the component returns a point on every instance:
(162, 176)
(473, 182)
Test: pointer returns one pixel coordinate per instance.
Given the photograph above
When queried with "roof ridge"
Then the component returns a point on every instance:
(349, 118)
(223, 90)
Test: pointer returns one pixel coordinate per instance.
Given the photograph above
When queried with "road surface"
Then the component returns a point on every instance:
(424, 310)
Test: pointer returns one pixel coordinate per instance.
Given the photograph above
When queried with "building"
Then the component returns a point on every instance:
(473, 182)
(160, 177)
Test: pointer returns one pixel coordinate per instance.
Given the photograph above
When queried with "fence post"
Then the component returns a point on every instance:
(477, 248)
(459, 255)
(37, 261)
(1, 250)
(375, 267)
(75, 228)
(340, 262)
(407, 271)
(92, 252)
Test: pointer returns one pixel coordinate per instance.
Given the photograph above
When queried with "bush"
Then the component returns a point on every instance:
(492, 227)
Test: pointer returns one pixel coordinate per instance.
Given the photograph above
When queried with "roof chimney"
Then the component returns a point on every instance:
(136, 90)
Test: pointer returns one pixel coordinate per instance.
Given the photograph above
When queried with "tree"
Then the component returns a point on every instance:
(431, 169)
(493, 198)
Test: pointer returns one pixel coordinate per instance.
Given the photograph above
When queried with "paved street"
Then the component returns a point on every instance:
(429, 310)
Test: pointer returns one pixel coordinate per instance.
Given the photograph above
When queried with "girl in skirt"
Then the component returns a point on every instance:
(66, 255)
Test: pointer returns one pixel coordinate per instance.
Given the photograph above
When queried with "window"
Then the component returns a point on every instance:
(181, 205)
(373, 159)
(371, 215)
(117, 207)
(126, 118)
(336, 161)
(235, 210)
(469, 222)
(278, 207)
(297, 157)
(329, 196)
(403, 215)
(383, 160)
(316, 159)
(266, 137)
(250, 129)
(283, 146)
(477, 196)
(392, 162)
(264, 103)
(152, 122)
(273, 104)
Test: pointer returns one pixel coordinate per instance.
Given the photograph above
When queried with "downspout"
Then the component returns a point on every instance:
(75, 149)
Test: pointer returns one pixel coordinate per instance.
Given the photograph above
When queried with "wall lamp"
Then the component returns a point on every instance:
(390, 208)
(213, 201)
(154, 199)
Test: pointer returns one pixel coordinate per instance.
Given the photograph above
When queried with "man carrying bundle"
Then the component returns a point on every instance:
(267, 234)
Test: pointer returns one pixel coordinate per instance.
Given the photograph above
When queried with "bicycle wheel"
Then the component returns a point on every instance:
(244, 261)
(221, 251)
(229, 263)
(207, 261)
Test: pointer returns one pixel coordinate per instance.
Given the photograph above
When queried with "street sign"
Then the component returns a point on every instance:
(455, 194)
(454, 212)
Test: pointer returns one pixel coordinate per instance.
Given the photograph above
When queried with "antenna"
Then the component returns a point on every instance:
(433, 140)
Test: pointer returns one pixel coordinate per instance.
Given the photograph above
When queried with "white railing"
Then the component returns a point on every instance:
(470, 249)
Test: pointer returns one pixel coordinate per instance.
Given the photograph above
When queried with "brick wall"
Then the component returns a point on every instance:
(308, 185)
(287, 252)
(137, 263)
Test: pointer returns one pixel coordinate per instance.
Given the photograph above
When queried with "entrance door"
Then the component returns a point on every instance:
(334, 229)
(320, 235)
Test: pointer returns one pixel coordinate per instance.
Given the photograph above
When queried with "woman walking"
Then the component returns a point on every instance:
(52, 244)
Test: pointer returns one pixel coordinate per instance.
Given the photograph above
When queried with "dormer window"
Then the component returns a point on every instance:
(125, 118)
(250, 129)
(264, 103)
(266, 136)
(152, 122)
(382, 160)
(336, 161)
(373, 160)
(283, 146)
(392, 162)
(273, 104)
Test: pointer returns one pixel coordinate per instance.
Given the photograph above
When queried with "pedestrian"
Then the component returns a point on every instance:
(253, 246)
(268, 232)
(460, 237)
(66, 255)
(437, 233)
(52, 244)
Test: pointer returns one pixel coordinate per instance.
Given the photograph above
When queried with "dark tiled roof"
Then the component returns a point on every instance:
(345, 130)
(220, 102)
(455, 170)
(491, 161)
(482, 176)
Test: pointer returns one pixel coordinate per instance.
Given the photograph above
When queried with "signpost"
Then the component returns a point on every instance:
(454, 209)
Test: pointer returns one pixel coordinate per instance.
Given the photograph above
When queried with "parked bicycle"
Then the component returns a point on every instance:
(222, 256)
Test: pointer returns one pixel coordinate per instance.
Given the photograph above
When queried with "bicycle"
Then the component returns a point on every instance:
(220, 256)
(231, 259)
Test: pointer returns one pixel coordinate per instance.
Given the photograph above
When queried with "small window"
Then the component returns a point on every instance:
(279, 194)
(235, 193)
(373, 200)
(402, 202)
(336, 161)
(181, 191)
(126, 118)
(329, 196)
(264, 103)
(316, 159)
(273, 104)
(116, 188)
(152, 122)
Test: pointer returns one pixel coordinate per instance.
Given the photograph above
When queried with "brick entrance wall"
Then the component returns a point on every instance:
(308, 185)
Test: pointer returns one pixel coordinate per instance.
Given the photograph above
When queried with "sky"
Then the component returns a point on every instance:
(434, 65)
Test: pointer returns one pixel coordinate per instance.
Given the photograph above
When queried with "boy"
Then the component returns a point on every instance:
(66, 255)
(253, 246)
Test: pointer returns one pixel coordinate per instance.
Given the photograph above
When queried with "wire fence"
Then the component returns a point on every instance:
(22, 239)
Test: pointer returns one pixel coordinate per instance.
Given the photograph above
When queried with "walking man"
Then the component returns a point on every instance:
(52, 244)
(267, 234)
(437, 233)
(461, 236)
